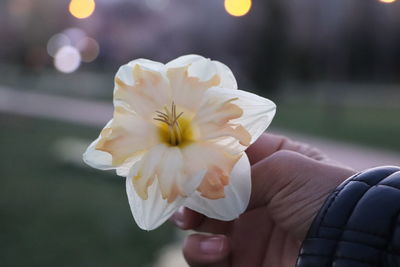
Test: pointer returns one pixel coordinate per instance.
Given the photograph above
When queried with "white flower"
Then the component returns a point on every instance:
(178, 135)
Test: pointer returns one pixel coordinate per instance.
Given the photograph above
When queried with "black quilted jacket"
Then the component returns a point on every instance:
(359, 224)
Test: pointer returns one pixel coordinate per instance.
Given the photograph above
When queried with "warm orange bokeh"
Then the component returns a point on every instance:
(82, 8)
(237, 8)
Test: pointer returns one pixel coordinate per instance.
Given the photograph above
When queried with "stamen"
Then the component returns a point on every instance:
(170, 118)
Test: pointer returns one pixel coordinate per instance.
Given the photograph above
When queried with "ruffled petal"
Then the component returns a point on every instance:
(128, 136)
(124, 168)
(152, 212)
(170, 169)
(187, 91)
(188, 183)
(227, 78)
(145, 171)
(166, 165)
(205, 69)
(216, 161)
(229, 133)
(96, 158)
(125, 71)
(213, 184)
(237, 195)
(258, 112)
(183, 61)
(142, 87)
(214, 121)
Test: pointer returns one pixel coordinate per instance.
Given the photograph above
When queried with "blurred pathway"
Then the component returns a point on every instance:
(355, 156)
(92, 113)
(97, 113)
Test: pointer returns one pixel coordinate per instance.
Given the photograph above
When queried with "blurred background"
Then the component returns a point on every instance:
(332, 67)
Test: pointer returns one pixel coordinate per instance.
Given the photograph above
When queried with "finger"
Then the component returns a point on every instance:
(265, 146)
(206, 250)
(214, 226)
(187, 219)
(268, 144)
(249, 240)
(273, 173)
(304, 149)
(291, 170)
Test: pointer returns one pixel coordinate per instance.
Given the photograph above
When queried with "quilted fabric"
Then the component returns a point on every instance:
(359, 224)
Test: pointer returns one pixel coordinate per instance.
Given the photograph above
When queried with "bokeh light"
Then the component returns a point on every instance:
(237, 8)
(82, 8)
(56, 42)
(67, 59)
(75, 35)
(387, 1)
(89, 49)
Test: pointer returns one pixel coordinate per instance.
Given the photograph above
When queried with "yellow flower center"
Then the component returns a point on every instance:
(174, 129)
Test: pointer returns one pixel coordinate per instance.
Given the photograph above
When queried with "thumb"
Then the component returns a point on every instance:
(294, 187)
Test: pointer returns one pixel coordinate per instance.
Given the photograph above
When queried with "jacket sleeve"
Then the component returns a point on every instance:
(358, 225)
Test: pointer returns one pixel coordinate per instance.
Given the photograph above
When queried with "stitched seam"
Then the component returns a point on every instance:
(334, 255)
(335, 194)
(395, 221)
(393, 228)
(387, 185)
(327, 208)
(364, 182)
(381, 180)
(342, 257)
(377, 185)
(357, 231)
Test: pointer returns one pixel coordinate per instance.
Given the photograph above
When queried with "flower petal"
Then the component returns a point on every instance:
(123, 169)
(214, 122)
(200, 161)
(170, 168)
(188, 184)
(205, 69)
(128, 136)
(200, 157)
(144, 171)
(103, 160)
(125, 71)
(227, 78)
(141, 86)
(188, 91)
(183, 61)
(258, 111)
(96, 158)
(152, 212)
(237, 195)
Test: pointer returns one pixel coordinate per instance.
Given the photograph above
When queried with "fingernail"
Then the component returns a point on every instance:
(212, 245)
(178, 217)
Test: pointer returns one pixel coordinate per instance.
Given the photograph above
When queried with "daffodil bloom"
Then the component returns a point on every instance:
(178, 135)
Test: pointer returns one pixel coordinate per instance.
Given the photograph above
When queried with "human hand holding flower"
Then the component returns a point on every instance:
(178, 135)
(290, 182)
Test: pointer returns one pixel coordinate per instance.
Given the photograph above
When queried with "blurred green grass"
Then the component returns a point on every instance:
(56, 214)
(370, 126)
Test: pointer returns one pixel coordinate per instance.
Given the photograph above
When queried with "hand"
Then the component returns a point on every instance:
(290, 182)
